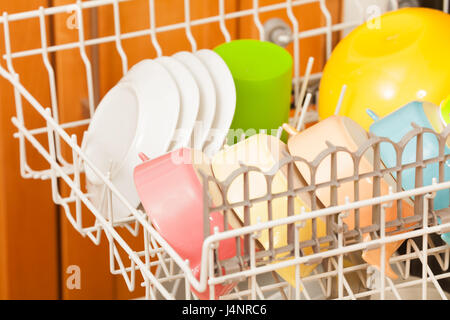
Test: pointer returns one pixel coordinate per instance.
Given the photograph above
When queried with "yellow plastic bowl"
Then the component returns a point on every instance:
(387, 63)
(264, 152)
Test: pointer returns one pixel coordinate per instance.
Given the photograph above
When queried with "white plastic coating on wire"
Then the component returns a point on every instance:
(358, 5)
(117, 34)
(223, 26)
(444, 264)
(60, 9)
(48, 66)
(305, 106)
(52, 82)
(115, 257)
(340, 245)
(297, 255)
(147, 262)
(176, 26)
(56, 197)
(344, 282)
(394, 4)
(446, 6)
(393, 289)
(151, 9)
(200, 284)
(299, 286)
(51, 147)
(84, 57)
(207, 277)
(51, 122)
(214, 239)
(340, 100)
(256, 19)
(328, 23)
(425, 248)
(187, 287)
(295, 30)
(76, 180)
(427, 271)
(304, 87)
(383, 246)
(187, 21)
(210, 266)
(24, 168)
(253, 284)
(322, 213)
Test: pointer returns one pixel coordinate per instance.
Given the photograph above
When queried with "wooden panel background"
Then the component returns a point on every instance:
(93, 261)
(25, 239)
(28, 218)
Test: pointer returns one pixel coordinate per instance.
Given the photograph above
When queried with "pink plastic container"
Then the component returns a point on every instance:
(171, 192)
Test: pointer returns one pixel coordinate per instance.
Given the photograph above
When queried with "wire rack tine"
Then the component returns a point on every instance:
(295, 27)
(187, 21)
(151, 8)
(223, 26)
(84, 57)
(157, 252)
(257, 20)
(117, 33)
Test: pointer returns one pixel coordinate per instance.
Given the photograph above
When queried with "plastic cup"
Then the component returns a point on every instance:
(262, 73)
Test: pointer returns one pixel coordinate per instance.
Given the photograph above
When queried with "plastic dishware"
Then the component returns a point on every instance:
(189, 98)
(445, 111)
(109, 115)
(387, 63)
(139, 114)
(170, 190)
(108, 147)
(262, 73)
(225, 99)
(394, 126)
(207, 91)
(264, 152)
(344, 132)
(160, 98)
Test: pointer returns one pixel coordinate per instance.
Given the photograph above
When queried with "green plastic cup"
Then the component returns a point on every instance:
(262, 73)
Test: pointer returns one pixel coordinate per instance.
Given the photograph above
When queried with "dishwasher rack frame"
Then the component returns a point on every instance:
(157, 253)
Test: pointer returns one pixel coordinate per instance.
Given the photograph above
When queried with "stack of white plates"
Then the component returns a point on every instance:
(186, 100)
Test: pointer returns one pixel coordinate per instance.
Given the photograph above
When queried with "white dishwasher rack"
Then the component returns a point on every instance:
(172, 273)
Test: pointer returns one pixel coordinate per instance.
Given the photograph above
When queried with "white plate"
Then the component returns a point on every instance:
(103, 143)
(138, 115)
(190, 98)
(225, 99)
(207, 106)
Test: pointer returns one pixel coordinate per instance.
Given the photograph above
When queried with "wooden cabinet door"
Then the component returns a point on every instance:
(29, 241)
(37, 247)
(97, 282)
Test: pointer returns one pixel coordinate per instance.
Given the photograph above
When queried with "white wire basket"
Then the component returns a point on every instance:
(163, 271)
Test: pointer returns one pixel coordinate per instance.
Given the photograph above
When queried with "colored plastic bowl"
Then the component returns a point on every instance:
(265, 152)
(394, 126)
(344, 132)
(389, 62)
(170, 190)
